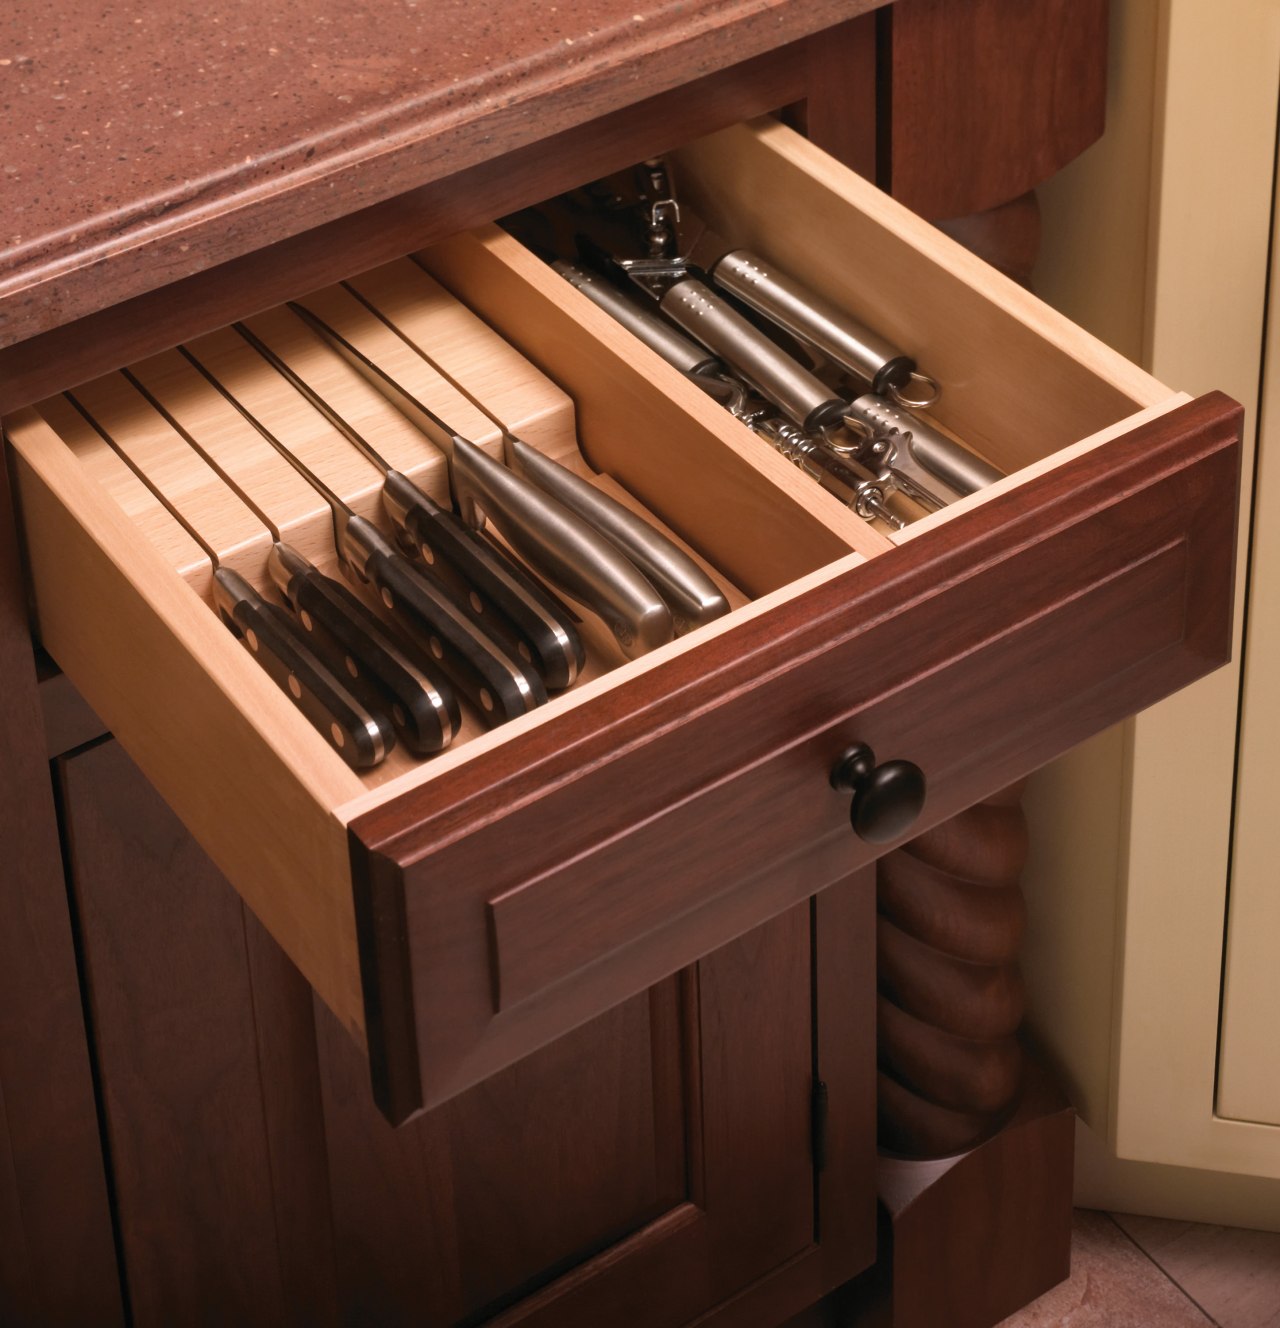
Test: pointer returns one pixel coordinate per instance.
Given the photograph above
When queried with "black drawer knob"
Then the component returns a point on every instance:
(886, 798)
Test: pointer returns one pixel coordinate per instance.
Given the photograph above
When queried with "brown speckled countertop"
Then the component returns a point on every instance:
(145, 142)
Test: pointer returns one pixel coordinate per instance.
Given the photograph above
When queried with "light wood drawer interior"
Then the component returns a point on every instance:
(119, 588)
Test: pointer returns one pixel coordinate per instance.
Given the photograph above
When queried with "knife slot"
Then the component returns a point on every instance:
(528, 401)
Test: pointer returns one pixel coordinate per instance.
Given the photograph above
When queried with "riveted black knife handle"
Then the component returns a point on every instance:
(360, 736)
(496, 685)
(355, 642)
(511, 605)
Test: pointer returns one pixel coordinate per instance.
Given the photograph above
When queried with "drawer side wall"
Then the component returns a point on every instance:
(194, 712)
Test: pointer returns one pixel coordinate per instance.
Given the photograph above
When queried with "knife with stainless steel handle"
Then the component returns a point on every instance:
(470, 658)
(691, 595)
(362, 736)
(558, 543)
(489, 584)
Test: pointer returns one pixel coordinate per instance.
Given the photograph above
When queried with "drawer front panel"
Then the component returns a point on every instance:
(574, 867)
(750, 823)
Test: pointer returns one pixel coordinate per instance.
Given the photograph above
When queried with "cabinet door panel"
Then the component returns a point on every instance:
(204, 1064)
(532, 1171)
(675, 1125)
(654, 1162)
(57, 1256)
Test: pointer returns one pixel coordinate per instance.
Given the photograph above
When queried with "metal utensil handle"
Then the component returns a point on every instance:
(815, 320)
(953, 463)
(562, 547)
(639, 320)
(770, 370)
(693, 597)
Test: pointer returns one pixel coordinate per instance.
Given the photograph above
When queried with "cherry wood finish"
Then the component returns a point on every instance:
(979, 103)
(1117, 510)
(838, 112)
(529, 1168)
(951, 917)
(206, 1058)
(1007, 237)
(1113, 570)
(57, 1256)
(970, 1238)
(654, 1164)
(69, 721)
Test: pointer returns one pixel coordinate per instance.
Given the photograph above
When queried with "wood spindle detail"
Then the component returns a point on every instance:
(951, 919)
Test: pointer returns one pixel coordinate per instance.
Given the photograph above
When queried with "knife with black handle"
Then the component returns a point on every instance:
(362, 737)
(502, 596)
(356, 642)
(495, 684)
(476, 664)
(351, 642)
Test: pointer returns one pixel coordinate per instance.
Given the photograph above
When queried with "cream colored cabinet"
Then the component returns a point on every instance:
(1155, 880)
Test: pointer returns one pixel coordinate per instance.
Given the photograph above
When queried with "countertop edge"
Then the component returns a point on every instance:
(106, 262)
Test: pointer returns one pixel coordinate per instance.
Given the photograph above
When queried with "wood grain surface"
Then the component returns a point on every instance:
(974, 1236)
(982, 101)
(57, 1254)
(1115, 573)
(951, 993)
(220, 1198)
(653, 1164)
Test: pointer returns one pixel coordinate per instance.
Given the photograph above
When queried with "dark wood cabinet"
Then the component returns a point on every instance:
(625, 959)
(57, 1257)
(659, 1158)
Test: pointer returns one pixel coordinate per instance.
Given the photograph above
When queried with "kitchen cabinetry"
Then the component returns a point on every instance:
(660, 1157)
(983, 643)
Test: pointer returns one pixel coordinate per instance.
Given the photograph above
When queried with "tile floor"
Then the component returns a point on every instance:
(1144, 1272)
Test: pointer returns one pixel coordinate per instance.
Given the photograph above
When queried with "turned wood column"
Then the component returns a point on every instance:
(950, 918)
(966, 150)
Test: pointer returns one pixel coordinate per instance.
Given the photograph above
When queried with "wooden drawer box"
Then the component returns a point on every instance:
(470, 909)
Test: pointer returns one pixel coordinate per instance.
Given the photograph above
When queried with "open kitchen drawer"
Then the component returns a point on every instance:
(460, 912)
